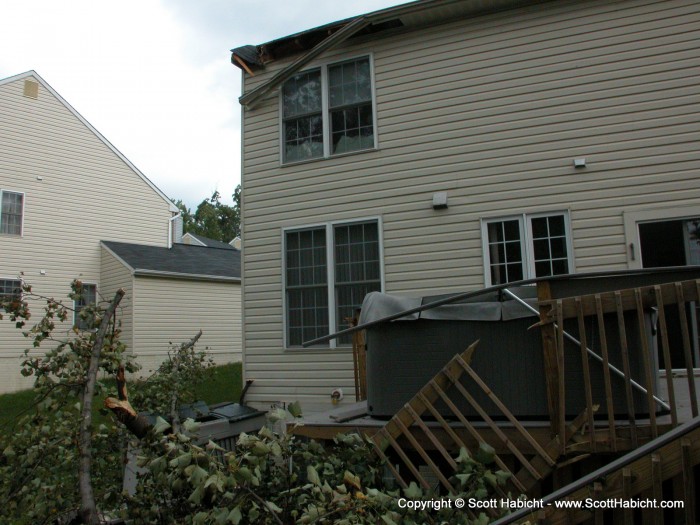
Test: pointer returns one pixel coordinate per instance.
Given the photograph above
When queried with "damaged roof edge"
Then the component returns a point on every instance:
(315, 41)
(251, 54)
(250, 98)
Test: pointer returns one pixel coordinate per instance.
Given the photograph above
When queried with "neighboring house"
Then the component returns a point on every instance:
(63, 189)
(201, 240)
(445, 145)
(172, 293)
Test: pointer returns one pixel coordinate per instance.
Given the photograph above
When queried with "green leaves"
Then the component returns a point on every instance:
(485, 454)
(312, 475)
(160, 426)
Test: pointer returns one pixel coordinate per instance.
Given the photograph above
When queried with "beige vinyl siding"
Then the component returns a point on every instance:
(77, 192)
(172, 311)
(115, 275)
(492, 110)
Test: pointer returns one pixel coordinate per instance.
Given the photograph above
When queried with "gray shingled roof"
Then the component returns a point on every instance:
(181, 261)
(211, 243)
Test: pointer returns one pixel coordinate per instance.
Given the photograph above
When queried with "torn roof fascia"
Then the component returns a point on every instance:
(249, 99)
(33, 74)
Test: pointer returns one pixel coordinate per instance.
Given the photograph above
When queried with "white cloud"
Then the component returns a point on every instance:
(154, 76)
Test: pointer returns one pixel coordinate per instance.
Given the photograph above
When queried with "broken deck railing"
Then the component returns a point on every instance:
(639, 472)
(620, 323)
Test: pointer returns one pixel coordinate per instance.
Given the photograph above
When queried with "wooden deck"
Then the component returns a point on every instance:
(545, 455)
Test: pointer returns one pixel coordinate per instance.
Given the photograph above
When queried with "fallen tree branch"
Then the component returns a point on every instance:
(125, 413)
(88, 507)
(174, 415)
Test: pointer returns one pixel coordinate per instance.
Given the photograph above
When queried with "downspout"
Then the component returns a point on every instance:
(170, 228)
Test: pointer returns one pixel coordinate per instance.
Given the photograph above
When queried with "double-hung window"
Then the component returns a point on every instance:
(11, 212)
(328, 111)
(526, 246)
(328, 271)
(88, 296)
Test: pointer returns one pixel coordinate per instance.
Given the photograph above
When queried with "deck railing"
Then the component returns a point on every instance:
(626, 331)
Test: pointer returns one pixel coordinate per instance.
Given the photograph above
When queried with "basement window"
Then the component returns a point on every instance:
(88, 297)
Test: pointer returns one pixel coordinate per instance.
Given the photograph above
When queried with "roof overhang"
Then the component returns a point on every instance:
(313, 42)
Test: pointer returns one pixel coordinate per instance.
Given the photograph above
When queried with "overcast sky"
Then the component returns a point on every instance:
(155, 77)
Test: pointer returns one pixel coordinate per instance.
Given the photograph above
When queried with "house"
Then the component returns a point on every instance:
(201, 240)
(63, 189)
(448, 145)
(172, 293)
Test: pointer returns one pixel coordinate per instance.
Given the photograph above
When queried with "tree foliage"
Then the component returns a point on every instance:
(213, 218)
(39, 466)
(270, 478)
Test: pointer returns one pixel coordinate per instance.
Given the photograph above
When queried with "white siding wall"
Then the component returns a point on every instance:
(115, 275)
(173, 310)
(493, 111)
(87, 194)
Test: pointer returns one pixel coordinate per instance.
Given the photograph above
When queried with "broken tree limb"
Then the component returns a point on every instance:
(124, 412)
(88, 507)
(135, 423)
(174, 415)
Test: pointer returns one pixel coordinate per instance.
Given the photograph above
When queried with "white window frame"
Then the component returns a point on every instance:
(525, 224)
(325, 111)
(75, 305)
(330, 262)
(24, 211)
(634, 217)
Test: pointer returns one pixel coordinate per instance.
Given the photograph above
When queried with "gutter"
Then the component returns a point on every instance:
(141, 272)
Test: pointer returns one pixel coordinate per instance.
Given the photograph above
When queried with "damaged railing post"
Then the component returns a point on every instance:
(590, 352)
(552, 372)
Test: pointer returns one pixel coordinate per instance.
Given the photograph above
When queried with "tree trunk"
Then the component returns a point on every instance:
(88, 507)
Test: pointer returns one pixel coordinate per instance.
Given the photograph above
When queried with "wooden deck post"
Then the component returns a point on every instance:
(359, 358)
(549, 349)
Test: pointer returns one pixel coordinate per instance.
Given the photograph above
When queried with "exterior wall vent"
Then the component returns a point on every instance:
(31, 89)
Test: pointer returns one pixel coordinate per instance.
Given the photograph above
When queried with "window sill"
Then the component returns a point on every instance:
(320, 159)
(316, 349)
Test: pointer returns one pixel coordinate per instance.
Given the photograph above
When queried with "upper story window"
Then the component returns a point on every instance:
(11, 212)
(328, 271)
(328, 111)
(526, 246)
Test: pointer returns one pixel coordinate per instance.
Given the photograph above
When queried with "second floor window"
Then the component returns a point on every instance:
(11, 212)
(328, 111)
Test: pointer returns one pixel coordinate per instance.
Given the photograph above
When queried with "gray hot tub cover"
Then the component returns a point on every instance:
(378, 305)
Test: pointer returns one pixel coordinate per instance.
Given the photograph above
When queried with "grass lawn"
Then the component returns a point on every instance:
(224, 385)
